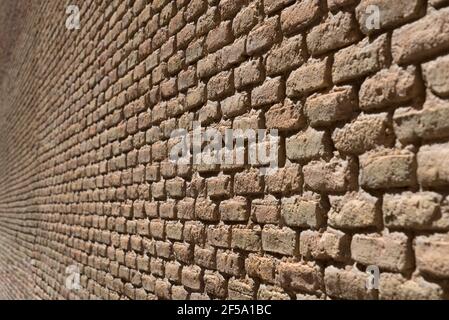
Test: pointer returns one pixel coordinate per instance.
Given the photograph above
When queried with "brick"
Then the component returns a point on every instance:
(219, 186)
(336, 32)
(246, 19)
(387, 168)
(241, 289)
(285, 116)
(286, 56)
(219, 236)
(249, 73)
(411, 124)
(431, 254)
(232, 54)
(310, 77)
(392, 14)
(337, 175)
(361, 59)
(434, 72)
(220, 85)
(421, 39)
(303, 211)
(246, 239)
(390, 251)
(230, 263)
(192, 277)
(194, 9)
(205, 257)
(307, 145)
(347, 284)
(354, 211)
(279, 240)
(364, 133)
(416, 211)
(271, 6)
(271, 91)
(248, 183)
(299, 16)
(234, 210)
(331, 244)
(193, 232)
(389, 87)
(327, 108)
(265, 210)
(306, 277)
(261, 267)
(207, 21)
(215, 284)
(235, 105)
(271, 293)
(284, 180)
(433, 165)
(396, 287)
(219, 37)
(262, 38)
(206, 210)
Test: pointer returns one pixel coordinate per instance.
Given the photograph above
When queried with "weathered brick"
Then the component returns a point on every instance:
(433, 169)
(389, 87)
(421, 39)
(271, 91)
(411, 124)
(364, 133)
(284, 180)
(414, 211)
(391, 14)
(390, 251)
(354, 210)
(347, 284)
(246, 239)
(331, 244)
(279, 240)
(286, 56)
(360, 59)
(285, 116)
(307, 145)
(307, 210)
(336, 32)
(249, 182)
(262, 38)
(337, 175)
(387, 168)
(306, 277)
(434, 74)
(265, 210)
(230, 262)
(249, 73)
(327, 108)
(431, 254)
(260, 267)
(220, 86)
(235, 209)
(299, 15)
(310, 77)
(219, 37)
(396, 287)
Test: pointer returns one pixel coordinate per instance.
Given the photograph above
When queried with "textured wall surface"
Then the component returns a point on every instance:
(86, 118)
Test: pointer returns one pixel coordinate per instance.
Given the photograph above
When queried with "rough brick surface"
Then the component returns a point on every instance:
(88, 181)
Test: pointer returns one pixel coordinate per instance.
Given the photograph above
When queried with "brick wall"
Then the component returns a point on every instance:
(86, 123)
